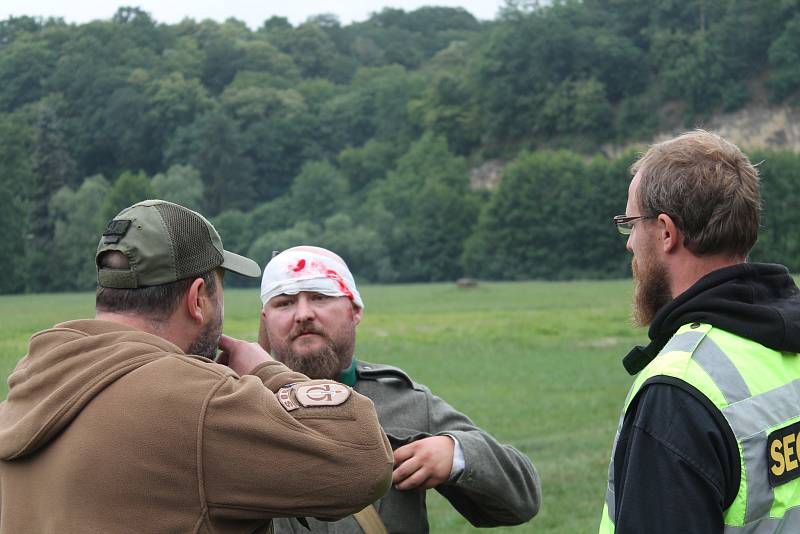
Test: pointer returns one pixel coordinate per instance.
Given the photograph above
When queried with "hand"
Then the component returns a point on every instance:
(241, 356)
(423, 464)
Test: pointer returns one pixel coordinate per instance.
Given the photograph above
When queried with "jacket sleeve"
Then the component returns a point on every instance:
(675, 465)
(260, 460)
(499, 485)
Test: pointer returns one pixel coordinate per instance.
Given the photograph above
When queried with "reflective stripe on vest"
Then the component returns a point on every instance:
(695, 356)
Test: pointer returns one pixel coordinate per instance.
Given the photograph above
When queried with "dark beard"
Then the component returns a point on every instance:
(324, 363)
(651, 291)
(207, 340)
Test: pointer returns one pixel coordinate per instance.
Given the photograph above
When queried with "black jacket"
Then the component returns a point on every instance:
(676, 466)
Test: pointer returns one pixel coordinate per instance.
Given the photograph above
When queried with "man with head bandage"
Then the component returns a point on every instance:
(311, 308)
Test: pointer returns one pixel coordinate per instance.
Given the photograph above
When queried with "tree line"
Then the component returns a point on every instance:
(361, 138)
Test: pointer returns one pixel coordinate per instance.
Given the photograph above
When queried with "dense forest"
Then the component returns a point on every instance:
(363, 137)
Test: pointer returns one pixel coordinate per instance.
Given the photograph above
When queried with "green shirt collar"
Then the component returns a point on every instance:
(348, 376)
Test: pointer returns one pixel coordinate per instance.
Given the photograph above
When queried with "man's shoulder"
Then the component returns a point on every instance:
(386, 374)
(403, 405)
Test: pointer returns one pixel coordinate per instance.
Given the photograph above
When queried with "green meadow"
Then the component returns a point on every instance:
(537, 364)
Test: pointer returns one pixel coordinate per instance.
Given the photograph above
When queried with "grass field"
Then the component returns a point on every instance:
(536, 364)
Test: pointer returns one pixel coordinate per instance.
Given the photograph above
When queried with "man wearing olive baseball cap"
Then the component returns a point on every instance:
(124, 423)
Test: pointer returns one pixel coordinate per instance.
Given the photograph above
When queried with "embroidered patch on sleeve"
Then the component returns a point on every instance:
(330, 394)
(286, 398)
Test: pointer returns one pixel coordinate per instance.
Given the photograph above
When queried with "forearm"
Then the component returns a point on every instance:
(325, 461)
(499, 484)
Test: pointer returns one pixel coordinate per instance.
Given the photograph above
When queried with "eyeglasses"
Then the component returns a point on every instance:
(625, 224)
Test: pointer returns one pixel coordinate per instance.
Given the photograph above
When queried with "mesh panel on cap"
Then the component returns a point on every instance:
(194, 252)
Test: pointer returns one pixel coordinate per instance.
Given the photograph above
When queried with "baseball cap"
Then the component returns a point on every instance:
(164, 242)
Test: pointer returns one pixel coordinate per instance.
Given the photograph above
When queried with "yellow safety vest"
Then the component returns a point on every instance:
(758, 392)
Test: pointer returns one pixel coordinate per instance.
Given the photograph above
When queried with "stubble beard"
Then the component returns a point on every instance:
(326, 362)
(651, 289)
(207, 341)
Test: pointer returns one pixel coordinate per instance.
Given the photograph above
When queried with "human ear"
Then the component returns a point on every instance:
(671, 237)
(196, 300)
(358, 314)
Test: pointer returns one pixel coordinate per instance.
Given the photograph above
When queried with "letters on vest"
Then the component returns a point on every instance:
(782, 457)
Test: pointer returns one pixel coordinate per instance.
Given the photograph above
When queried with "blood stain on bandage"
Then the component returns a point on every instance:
(321, 268)
(300, 266)
(333, 275)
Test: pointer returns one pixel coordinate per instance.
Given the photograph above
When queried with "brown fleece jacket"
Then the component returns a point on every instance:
(107, 429)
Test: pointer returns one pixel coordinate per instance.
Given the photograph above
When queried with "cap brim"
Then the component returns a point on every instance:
(240, 265)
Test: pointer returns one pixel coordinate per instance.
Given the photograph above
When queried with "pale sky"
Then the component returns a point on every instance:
(252, 12)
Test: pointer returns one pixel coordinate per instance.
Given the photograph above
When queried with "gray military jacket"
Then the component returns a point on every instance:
(499, 485)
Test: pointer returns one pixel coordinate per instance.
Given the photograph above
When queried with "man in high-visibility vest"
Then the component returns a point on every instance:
(708, 438)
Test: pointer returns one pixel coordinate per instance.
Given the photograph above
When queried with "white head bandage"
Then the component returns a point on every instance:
(296, 270)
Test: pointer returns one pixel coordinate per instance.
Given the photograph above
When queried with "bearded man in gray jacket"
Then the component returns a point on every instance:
(311, 308)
